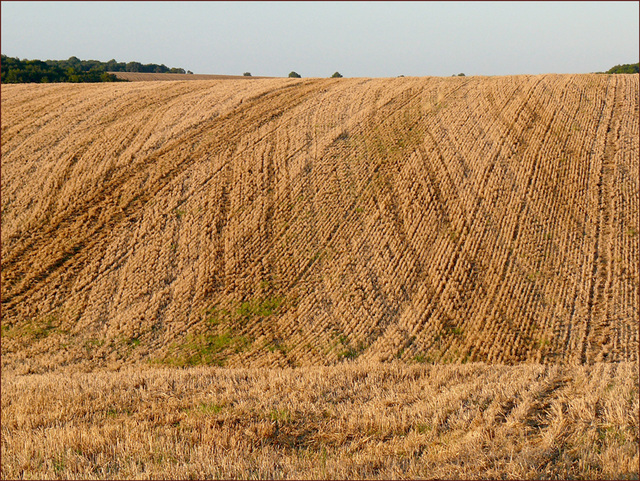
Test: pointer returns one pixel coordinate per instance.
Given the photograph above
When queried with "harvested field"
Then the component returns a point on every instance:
(290, 222)
(371, 421)
(326, 225)
(153, 77)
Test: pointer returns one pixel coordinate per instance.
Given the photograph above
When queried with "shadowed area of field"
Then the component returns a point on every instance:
(285, 222)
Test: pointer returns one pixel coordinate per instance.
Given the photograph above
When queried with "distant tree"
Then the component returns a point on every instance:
(112, 66)
(72, 75)
(294, 75)
(134, 67)
(108, 77)
(75, 62)
(461, 75)
(625, 68)
(336, 75)
(247, 74)
(73, 69)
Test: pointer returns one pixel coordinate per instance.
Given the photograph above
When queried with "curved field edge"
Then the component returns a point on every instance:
(302, 222)
(375, 421)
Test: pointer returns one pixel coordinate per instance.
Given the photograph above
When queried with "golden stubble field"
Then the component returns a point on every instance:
(369, 278)
(372, 421)
(294, 222)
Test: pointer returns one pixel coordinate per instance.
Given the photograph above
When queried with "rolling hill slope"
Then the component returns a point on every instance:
(300, 222)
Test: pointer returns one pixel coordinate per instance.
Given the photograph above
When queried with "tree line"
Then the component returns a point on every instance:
(14, 70)
(625, 68)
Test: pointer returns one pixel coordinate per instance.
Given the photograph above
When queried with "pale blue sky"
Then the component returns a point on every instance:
(359, 39)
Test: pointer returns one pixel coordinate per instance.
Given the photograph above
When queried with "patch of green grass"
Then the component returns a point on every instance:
(216, 315)
(423, 358)
(225, 332)
(163, 458)
(350, 353)
(114, 412)
(449, 328)
(423, 428)
(611, 432)
(206, 349)
(347, 351)
(540, 343)
(58, 464)
(277, 345)
(632, 231)
(533, 276)
(210, 408)
(93, 342)
(456, 331)
(259, 307)
(7, 331)
(281, 415)
(36, 329)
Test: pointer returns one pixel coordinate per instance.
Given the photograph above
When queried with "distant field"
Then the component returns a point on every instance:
(142, 76)
(388, 421)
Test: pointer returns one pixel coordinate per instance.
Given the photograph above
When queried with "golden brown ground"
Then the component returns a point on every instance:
(300, 222)
(367, 421)
(338, 222)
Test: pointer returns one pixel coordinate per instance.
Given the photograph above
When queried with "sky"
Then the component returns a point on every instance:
(316, 39)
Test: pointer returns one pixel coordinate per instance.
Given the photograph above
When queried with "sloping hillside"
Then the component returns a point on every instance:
(298, 222)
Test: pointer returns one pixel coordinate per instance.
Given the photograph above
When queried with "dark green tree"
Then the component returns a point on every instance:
(72, 75)
(134, 67)
(14, 70)
(247, 74)
(625, 68)
(336, 75)
(108, 77)
(294, 75)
